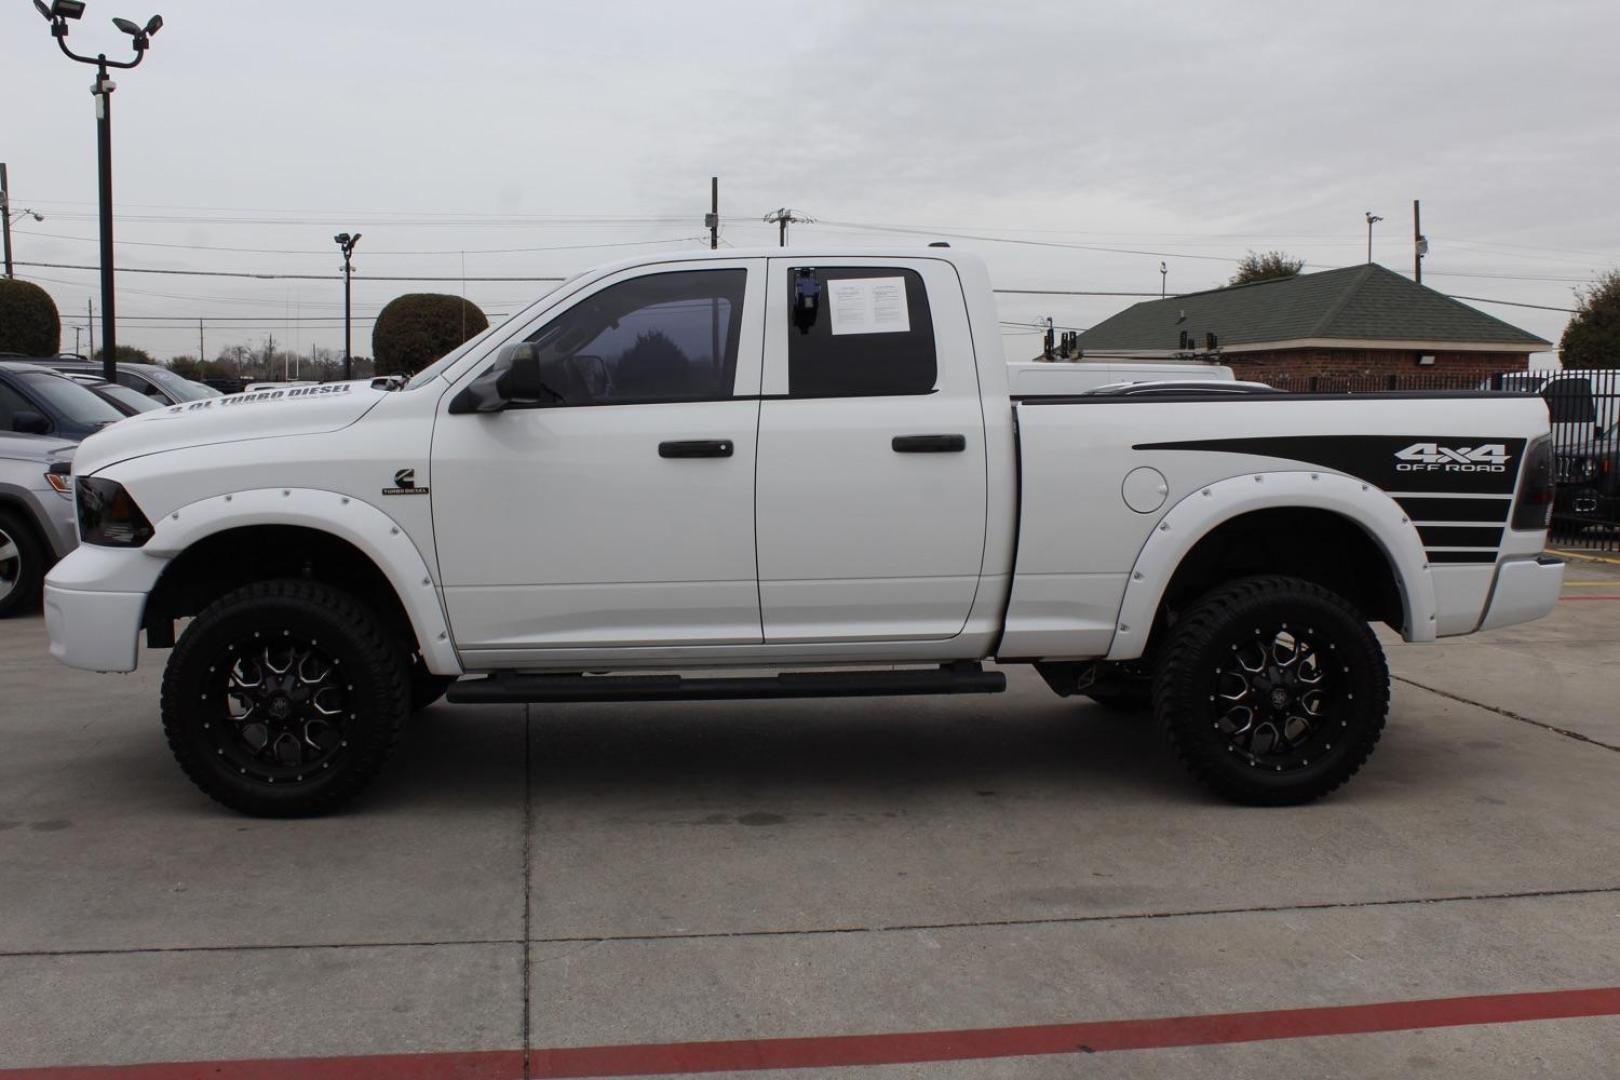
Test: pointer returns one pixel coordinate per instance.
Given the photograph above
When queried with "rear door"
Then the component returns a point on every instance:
(871, 492)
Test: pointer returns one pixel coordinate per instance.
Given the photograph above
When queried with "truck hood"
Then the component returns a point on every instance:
(264, 414)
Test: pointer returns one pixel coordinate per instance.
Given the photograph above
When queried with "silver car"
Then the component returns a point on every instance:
(37, 522)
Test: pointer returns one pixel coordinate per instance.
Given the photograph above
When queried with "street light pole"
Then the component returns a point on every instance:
(346, 243)
(57, 14)
(1372, 219)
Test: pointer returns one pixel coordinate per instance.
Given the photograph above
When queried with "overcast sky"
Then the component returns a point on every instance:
(1190, 132)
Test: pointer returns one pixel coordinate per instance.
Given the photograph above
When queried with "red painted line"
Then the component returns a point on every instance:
(1096, 1037)
(835, 1051)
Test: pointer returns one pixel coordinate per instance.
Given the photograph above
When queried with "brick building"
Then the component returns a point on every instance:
(1356, 326)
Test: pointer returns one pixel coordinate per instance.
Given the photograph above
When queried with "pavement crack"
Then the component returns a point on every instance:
(1510, 714)
(1075, 920)
(164, 950)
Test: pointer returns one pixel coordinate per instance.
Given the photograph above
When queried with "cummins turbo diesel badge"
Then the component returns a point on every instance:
(405, 484)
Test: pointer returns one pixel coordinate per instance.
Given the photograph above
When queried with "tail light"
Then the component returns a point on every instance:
(1533, 505)
(108, 515)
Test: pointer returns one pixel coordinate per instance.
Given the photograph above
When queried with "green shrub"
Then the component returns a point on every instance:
(416, 329)
(28, 320)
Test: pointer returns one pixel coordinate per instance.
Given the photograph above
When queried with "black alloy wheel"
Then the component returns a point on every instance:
(284, 698)
(1272, 690)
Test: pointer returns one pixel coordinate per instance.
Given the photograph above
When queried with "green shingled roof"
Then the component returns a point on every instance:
(1357, 303)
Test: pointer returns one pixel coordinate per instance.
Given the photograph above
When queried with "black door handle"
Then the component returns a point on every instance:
(929, 444)
(696, 448)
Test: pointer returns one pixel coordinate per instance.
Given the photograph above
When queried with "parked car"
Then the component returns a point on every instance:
(125, 400)
(37, 522)
(1584, 408)
(153, 380)
(38, 401)
(793, 462)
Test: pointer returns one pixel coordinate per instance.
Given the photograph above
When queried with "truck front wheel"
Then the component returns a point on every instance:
(1272, 690)
(284, 698)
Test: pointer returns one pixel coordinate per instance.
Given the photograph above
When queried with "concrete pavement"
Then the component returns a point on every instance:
(614, 874)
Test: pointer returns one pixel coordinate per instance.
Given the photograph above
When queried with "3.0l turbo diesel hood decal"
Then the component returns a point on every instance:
(264, 414)
(1396, 463)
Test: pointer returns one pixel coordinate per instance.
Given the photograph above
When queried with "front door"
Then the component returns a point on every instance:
(619, 512)
(871, 496)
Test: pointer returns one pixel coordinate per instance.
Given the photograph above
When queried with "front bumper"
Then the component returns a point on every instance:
(1526, 589)
(94, 602)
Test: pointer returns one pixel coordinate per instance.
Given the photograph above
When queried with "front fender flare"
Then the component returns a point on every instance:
(369, 529)
(1201, 512)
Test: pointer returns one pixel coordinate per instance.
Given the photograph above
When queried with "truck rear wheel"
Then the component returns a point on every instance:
(1272, 690)
(284, 698)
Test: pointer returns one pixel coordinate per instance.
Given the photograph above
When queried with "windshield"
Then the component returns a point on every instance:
(176, 387)
(124, 395)
(67, 397)
(435, 369)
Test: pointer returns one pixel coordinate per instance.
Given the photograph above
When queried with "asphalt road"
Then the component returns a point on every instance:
(621, 877)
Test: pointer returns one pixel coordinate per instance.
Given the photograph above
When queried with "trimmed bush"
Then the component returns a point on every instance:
(416, 329)
(28, 320)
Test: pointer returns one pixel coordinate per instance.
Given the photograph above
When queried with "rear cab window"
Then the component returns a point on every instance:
(859, 332)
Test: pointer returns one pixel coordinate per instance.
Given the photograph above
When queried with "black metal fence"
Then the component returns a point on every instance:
(1584, 407)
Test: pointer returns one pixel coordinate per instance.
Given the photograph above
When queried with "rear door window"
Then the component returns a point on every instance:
(859, 332)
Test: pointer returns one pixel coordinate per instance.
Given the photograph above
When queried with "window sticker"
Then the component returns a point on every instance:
(868, 305)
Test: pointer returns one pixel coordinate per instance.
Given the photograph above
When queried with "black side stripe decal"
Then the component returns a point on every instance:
(1461, 556)
(1480, 536)
(1455, 509)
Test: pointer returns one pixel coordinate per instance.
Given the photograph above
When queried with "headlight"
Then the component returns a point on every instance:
(107, 514)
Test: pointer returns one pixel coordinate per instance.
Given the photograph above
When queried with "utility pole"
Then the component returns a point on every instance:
(1372, 219)
(5, 213)
(1420, 244)
(202, 356)
(711, 220)
(782, 218)
(90, 323)
(1164, 278)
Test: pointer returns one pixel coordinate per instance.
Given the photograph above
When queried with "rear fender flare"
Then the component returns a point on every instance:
(1201, 512)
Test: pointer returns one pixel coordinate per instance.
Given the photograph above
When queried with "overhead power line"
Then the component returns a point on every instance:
(369, 254)
(294, 277)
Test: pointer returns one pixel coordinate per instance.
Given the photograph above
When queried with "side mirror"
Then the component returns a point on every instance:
(29, 422)
(520, 381)
(514, 378)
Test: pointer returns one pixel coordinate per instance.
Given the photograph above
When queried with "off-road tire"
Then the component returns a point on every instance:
(1193, 690)
(26, 570)
(370, 687)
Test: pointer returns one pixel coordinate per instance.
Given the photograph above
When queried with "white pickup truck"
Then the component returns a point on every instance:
(808, 464)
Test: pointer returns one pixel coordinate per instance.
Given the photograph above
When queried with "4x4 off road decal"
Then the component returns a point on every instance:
(1433, 457)
(1403, 463)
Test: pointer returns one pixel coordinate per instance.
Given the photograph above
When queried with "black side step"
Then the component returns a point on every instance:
(511, 688)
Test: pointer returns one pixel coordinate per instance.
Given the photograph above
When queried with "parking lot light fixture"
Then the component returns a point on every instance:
(346, 243)
(57, 14)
